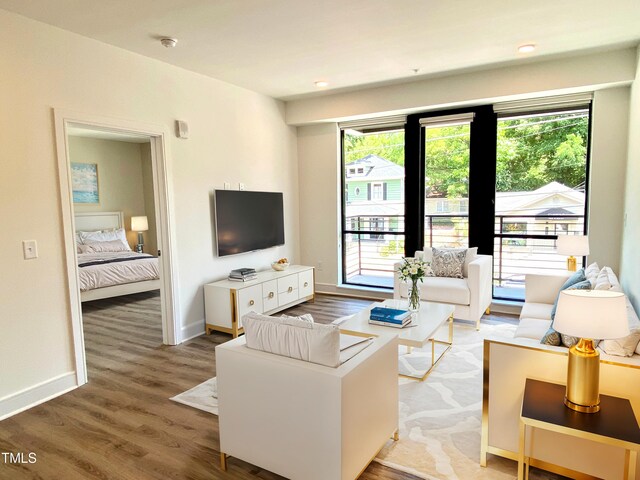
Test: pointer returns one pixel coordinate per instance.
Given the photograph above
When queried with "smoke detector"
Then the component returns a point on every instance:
(168, 42)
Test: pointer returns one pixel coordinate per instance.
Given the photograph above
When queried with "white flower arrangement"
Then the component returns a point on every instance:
(413, 269)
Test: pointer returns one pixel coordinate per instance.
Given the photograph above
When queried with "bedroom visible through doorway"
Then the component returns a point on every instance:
(116, 218)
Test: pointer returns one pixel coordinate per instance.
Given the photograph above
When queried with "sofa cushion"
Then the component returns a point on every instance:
(533, 328)
(448, 262)
(294, 338)
(536, 310)
(445, 290)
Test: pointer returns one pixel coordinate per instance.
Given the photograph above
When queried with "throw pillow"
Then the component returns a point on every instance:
(622, 347)
(551, 338)
(591, 272)
(472, 254)
(577, 281)
(448, 262)
(572, 280)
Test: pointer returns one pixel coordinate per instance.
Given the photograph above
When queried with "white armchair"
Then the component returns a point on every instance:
(471, 296)
(302, 420)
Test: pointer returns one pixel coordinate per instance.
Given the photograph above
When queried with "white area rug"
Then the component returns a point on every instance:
(440, 418)
(203, 396)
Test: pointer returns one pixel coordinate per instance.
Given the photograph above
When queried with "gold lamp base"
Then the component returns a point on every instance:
(571, 263)
(583, 378)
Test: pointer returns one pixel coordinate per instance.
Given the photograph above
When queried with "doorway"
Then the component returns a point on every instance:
(67, 126)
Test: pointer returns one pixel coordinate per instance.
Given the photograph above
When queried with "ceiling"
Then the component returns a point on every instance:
(281, 47)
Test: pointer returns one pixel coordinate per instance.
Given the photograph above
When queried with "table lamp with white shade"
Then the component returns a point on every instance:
(588, 314)
(139, 224)
(573, 246)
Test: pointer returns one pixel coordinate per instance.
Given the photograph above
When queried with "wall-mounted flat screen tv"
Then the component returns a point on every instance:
(248, 221)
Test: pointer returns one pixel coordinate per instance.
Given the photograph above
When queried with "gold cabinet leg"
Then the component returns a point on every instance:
(395, 436)
(487, 311)
(223, 461)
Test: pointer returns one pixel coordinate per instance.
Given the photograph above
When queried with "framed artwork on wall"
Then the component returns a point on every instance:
(84, 183)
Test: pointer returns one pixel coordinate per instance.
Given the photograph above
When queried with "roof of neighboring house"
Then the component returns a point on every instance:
(551, 196)
(375, 168)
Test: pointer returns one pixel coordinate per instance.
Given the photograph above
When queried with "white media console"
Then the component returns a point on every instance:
(226, 301)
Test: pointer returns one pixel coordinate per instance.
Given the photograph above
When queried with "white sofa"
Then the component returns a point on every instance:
(302, 420)
(507, 364)
(471, 296)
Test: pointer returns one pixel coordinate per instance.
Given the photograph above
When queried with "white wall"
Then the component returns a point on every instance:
(521, 80)
(236, 136)
(319, 166)
(607, 176)
(150, 237)
(120, 185)
(630, 259)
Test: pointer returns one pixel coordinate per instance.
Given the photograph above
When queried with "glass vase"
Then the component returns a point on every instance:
(413, 296)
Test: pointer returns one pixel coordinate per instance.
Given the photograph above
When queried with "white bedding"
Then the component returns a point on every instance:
(137, 268)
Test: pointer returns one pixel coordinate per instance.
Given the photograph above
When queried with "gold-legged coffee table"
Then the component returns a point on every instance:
(424, 325)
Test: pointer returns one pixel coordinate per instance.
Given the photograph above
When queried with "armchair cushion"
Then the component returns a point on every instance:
(294, 338)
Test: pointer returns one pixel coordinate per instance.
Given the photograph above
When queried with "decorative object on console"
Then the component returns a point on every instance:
(280, 265)
(573, 246)
(588, 314)
(413, 270)
(243, 274)
(139, 224)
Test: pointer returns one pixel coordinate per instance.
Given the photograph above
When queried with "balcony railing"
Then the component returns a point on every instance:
(523, 244)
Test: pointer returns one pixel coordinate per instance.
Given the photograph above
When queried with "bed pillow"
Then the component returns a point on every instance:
(102, 247)
(105, 236)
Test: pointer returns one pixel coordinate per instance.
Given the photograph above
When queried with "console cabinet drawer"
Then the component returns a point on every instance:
(288, 284)
(291, 295)
(270, 295)
(305, 283)
(249, 300)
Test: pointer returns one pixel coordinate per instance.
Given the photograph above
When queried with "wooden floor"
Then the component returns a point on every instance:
(122, 425)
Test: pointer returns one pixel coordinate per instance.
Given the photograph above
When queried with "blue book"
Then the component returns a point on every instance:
(392, 315)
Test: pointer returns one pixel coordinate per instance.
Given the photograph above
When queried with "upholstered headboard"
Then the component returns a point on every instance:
(92, 221)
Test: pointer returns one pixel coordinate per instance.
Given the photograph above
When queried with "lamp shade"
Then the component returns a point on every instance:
(139, 224)
(575, 245)
(592, 314)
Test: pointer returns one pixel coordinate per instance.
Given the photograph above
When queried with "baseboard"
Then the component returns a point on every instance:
(37, 394)
(353, 291)
(193, 330)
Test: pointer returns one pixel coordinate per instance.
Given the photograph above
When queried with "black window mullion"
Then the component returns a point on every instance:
(482, 179)
(413, 186)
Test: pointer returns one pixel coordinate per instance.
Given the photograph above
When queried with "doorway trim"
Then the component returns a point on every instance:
(63, 119)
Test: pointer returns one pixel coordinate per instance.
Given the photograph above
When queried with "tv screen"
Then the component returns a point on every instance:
(248, 221)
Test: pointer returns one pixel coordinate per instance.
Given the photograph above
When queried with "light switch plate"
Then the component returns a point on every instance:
(30, 249)
(241, 186)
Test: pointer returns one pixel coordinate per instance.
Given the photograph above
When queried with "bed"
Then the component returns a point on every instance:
(106, 265)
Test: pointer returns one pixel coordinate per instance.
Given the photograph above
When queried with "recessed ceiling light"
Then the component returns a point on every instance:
(527, 48)
(322, 84)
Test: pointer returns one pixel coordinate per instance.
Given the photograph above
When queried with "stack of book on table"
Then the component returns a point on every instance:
(390, 317)
(243, 274)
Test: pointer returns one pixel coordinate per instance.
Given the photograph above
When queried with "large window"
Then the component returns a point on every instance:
(540, 193)
(373, 203)
(507, 178)
(446, 181)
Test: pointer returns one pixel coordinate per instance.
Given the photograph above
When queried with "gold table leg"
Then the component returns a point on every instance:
(223, 461)
(522, 429)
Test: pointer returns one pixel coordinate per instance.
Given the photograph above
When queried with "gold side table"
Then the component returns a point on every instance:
(615, 424)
